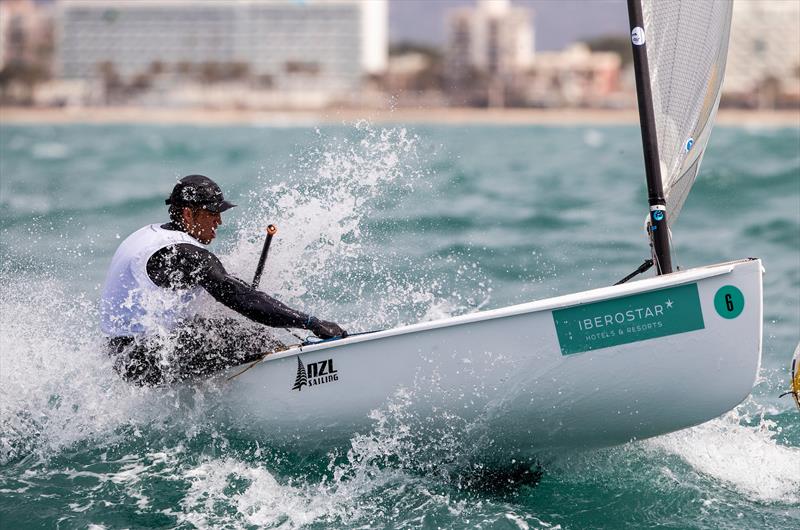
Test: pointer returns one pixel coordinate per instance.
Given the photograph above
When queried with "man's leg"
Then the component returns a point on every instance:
(207, 346)
(136, 360)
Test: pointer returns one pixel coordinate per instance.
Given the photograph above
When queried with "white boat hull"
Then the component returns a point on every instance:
(592, 369)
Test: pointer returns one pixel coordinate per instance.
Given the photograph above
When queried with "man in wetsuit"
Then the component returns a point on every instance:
(149, 300)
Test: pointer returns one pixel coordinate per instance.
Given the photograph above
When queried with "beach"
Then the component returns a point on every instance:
(333, 116)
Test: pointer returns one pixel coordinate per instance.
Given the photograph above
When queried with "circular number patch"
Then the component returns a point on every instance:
(729, 302)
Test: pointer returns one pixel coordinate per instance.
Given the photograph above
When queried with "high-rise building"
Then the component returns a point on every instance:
(493, 38)
(764, 53)
(323, 45)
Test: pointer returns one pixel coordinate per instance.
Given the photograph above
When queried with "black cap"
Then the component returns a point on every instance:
(199, 190)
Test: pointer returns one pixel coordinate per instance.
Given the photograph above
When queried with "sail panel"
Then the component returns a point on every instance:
(687, 47)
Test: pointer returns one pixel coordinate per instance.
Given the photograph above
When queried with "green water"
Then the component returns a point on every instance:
(378, 226)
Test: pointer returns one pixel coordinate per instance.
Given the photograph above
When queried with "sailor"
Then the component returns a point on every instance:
(154, 287)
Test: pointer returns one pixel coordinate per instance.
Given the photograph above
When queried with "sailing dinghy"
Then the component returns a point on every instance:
(590, 369)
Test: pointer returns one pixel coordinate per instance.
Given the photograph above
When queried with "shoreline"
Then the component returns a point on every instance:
(442, 116)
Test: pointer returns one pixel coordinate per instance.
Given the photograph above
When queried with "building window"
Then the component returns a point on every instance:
(302, 67)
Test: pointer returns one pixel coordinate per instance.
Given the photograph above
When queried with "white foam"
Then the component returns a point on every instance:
(594, 138)
(390, 461)
(57, 385)
(50, 151)
(748, 458)
(263, 502)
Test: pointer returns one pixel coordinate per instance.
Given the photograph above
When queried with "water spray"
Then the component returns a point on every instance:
(271, 231)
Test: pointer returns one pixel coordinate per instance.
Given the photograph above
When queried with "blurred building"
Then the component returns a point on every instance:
(414, 78)
(487, 46)
(763, 67)
(407, 71)
(312, 51)
(25, 33)
(575, 77)
(26, 49)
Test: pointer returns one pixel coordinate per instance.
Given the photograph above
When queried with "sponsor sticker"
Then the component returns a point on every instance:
(637, 35)
(313, 374)
(628, 319)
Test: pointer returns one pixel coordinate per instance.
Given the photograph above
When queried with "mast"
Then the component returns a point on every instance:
(659, 232)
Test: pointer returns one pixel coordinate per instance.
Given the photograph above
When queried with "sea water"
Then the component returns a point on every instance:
(379, 225)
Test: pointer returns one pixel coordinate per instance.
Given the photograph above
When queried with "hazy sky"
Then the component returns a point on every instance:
(556, 22)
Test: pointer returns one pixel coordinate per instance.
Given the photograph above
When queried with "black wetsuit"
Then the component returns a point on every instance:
(184, 266)
(203, 346)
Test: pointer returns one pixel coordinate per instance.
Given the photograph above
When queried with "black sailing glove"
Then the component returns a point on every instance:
(324, 329)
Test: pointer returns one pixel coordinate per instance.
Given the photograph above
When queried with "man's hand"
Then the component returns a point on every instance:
(325, 330)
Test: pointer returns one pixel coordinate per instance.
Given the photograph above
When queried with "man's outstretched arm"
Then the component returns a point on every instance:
(184, 265)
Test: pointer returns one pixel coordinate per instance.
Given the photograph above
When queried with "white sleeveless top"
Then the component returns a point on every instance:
(132, 304)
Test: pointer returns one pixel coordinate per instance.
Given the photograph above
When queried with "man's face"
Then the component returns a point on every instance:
(201, 224)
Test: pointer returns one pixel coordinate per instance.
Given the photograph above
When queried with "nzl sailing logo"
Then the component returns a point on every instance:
(313, 374)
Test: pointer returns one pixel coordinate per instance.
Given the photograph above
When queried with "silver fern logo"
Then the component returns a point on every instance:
(302, 379)
(313, 374)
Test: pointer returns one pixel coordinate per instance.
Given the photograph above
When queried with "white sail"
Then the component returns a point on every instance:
(687, 46)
